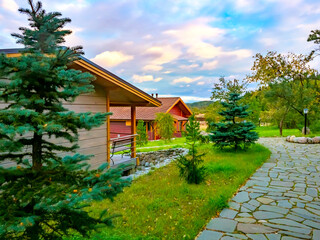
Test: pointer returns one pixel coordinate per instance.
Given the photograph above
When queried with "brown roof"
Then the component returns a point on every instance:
(124, 85)
(146, 113)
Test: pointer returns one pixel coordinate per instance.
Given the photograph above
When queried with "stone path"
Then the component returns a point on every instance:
(280, 201)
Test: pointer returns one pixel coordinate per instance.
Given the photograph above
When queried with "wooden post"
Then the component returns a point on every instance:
(133, 131)
(108, 125)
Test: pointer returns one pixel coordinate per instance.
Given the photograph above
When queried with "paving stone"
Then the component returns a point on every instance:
(312, 224)
(234, 205)
(289, 238)
(300, 205)
(285, 204)
(296, 235)
(257, 236)
(244, 215)
(273, 236)
(288, 228)
(312, 205)
(265, 200)
(295, 218)
(266, 215)
(254, 203)
(255, 195)
(228, 213)
(313, 192)
(238, 236)
(222, 224)
(274, 209)
(254, 228)
(245, 210)
(316, 234)
(288, 222)
(280, 201)
(229, 238)
(249, 206)
(245, 220)
(306, 197)
(209, 235)
(241, 197)
(314, 211)
(304, 213)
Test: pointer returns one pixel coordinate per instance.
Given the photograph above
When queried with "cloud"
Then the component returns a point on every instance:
(202, 40)
(186, 79)
(10, 5)
(145, 78)
(149, 89)
(209, 65)
(151, 67)
(162, 54)
(190, 66)
(71, 5)
(200, 83)
(111, 58)
(187, 98)
(196, 31)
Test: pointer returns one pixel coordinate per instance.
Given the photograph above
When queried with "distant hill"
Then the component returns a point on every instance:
(200, 105)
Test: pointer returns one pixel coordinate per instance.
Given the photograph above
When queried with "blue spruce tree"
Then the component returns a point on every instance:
(44, 196)
(234, 131)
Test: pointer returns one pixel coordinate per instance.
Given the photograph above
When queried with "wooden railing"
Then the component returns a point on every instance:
(122, 144)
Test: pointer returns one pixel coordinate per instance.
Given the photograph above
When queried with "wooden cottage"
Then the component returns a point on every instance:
(110, 91)
(120, 124)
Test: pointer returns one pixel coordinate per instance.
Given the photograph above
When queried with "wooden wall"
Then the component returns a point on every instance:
(177, 111)
(119, 129)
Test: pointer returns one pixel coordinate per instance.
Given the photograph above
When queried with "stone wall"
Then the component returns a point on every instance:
(149, 159)
(303, 140)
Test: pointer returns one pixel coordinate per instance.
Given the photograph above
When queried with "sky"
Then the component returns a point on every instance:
(177, 47)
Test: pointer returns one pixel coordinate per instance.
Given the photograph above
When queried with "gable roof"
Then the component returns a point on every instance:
(112, 79)
(149, 113)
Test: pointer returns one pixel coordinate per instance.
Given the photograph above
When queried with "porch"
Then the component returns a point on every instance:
(118, 93)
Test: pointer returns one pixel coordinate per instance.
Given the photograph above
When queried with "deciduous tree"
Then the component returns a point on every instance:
(165, 125)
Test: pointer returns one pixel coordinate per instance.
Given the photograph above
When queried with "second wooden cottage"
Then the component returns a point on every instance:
(120, 123)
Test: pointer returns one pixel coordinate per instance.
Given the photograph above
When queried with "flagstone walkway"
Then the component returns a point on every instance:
(280, 201)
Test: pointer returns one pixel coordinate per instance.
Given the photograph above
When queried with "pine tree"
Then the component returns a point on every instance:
(190, 165)
(142, 138)
(44, 196)
(234, 131)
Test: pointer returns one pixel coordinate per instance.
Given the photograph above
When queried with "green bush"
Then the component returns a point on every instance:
(315, 126)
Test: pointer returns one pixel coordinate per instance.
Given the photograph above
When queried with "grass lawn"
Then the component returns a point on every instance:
(161, 145)
(273, 131)
(160, 205)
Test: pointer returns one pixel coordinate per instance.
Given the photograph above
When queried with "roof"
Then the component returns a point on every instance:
(149, 113)
(91, 66)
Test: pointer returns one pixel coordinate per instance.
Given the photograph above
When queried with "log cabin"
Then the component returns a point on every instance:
(110, 91)
(120, 120)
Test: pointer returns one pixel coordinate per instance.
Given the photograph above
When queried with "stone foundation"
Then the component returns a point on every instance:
(303, 140)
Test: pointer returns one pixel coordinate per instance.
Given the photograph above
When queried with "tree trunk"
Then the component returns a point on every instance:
(36, 152)
(281, 126)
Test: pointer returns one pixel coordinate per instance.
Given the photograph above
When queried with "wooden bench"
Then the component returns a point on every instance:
(120, 144)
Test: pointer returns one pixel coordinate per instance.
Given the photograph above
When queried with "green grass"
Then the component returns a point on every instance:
(273, 131)
(161, 145)
(161, 205)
